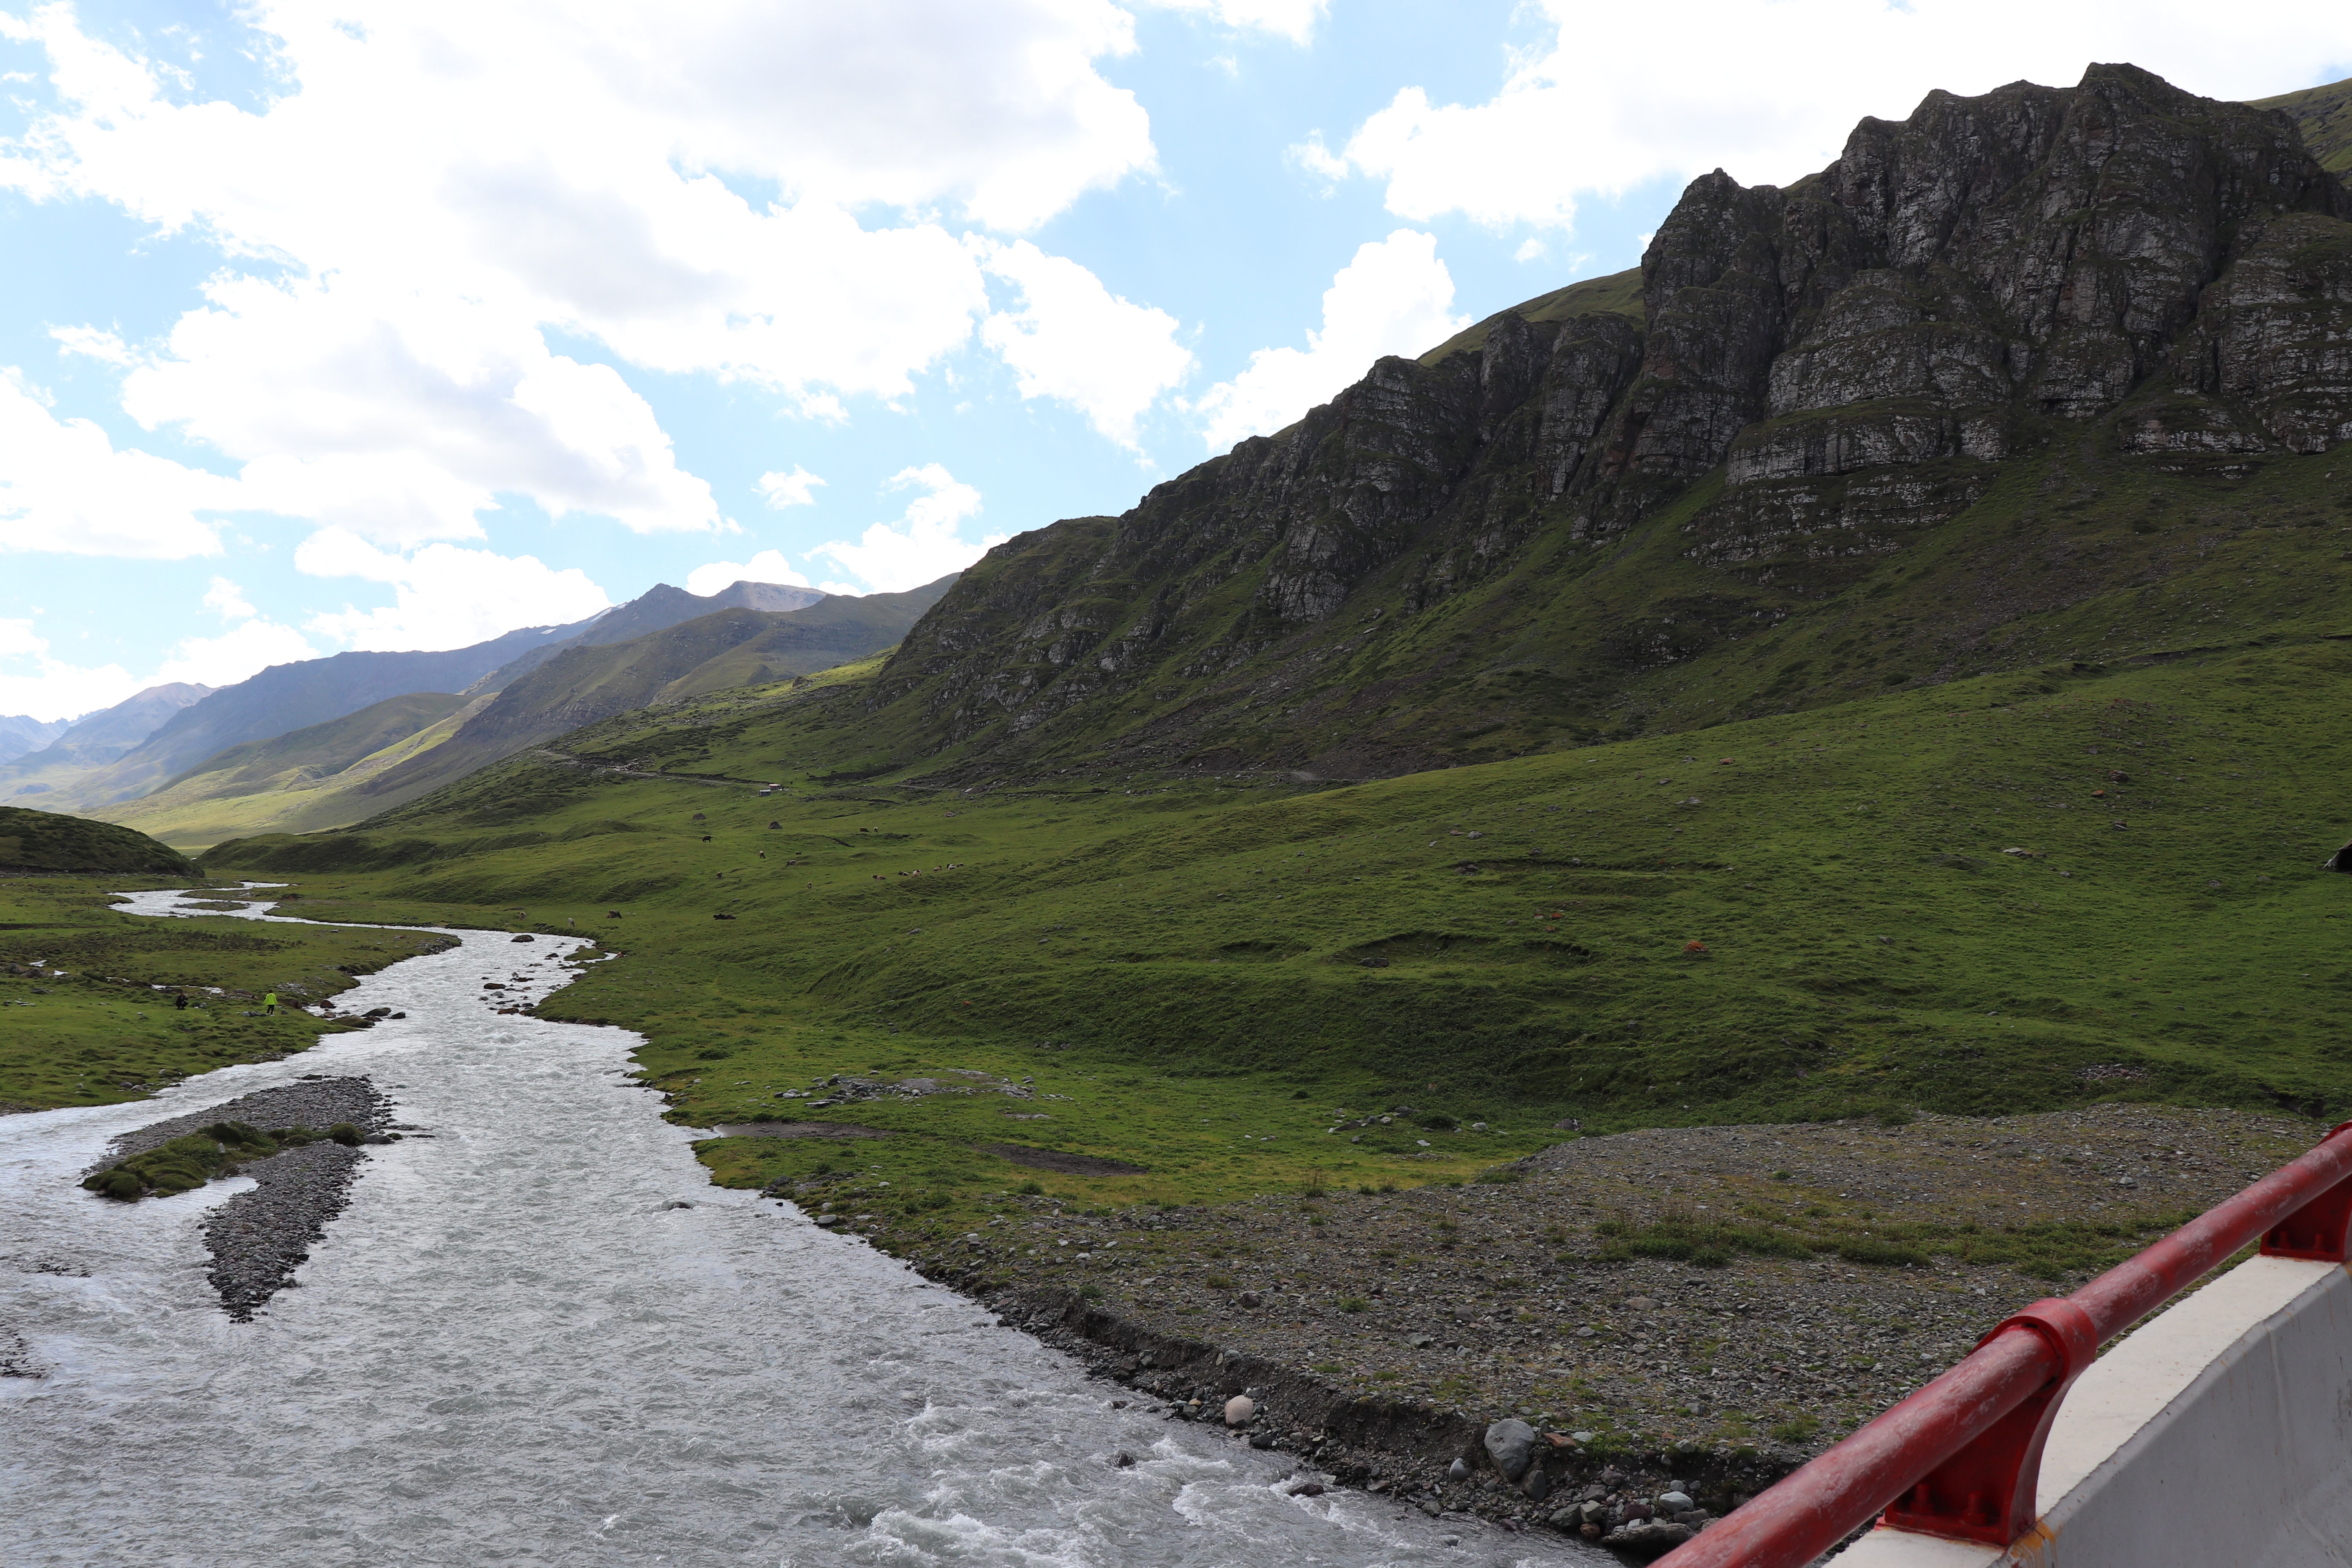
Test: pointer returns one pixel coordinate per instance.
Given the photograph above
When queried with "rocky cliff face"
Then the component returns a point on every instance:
(1815, 377)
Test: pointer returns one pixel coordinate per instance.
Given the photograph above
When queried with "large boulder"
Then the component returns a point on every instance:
(1512, 1445)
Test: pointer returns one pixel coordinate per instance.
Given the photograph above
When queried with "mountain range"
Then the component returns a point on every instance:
(2044, 378)
(2050, 373)
(320, 742)
(20, 733)
(361, 764)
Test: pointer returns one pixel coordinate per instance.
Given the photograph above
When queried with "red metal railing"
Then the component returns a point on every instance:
(1962, 1457)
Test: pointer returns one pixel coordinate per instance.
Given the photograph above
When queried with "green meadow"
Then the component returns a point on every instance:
(2011, 894)
(100, 1035)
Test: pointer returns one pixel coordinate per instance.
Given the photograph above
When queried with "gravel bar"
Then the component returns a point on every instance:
(259, 1238)
(1382, 1334)
(315, 1102)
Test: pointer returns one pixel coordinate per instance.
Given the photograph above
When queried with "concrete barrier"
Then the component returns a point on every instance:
(2219, 1433)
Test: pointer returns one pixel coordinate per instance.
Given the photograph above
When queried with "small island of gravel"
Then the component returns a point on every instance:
(259, 1237)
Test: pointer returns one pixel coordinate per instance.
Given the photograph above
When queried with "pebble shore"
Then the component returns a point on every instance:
(1381, 1336)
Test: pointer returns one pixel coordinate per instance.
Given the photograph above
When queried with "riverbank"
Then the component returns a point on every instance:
(1695, 1309)
(91, 990)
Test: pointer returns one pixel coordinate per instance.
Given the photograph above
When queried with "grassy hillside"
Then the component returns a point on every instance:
(581, 685)
(295, 782)
(41, 841)
(2324, 113)
(2076, 553)
(301, 695)
(1619, 292)
(1942, 899)
(93, 743)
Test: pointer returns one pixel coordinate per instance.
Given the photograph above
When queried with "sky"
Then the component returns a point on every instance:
(402, 325)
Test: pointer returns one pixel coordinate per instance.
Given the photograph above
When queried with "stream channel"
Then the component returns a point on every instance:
(540, 1336)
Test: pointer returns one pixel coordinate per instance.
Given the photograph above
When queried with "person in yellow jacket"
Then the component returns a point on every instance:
(269, 1002)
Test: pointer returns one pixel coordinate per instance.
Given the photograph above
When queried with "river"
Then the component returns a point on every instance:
(515, 1347)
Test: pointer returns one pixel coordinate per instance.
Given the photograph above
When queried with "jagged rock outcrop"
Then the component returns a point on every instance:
(2033, 251)
(1814, 376)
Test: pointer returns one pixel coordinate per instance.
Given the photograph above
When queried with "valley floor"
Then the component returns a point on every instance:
(1878, 1022)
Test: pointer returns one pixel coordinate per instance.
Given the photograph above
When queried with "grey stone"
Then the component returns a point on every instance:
(1537, 1486)
(1675, 1502)
(1458, 1471)
(1512, 1445)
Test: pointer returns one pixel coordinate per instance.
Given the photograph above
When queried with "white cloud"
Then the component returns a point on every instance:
(443, 596)
(65, 486)
(1769, 88)
(780, 490)
(422, 199)
(1531, 249)
(93, 342)
(38, 686)
(34, 682)
(925, 546)
(1292, 19)
(768, 566)
(1318, 159)
(244, 650)
(1075, 341)
(1394, 298)
(400, 417)
(227, 600)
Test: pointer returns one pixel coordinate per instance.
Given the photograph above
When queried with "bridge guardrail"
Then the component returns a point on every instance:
(1961, 1456)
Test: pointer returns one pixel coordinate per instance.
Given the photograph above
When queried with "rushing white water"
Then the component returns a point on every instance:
(511, 1348)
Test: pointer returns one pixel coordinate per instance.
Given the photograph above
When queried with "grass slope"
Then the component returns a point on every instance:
(1619, 292)
(1212, 971)
(2072, 553)
(2324, 113)
(298, 782)
(728, 647)
(93, 743)
(49, 841)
